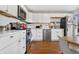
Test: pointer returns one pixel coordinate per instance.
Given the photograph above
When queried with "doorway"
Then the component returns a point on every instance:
(63, 25)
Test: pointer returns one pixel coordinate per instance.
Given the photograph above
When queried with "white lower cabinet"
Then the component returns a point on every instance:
(22, 42)
(13, 43)
(37, 34)
(7, 40)
(10, 49)
(55, 33)
(4, 41)
(33, 31)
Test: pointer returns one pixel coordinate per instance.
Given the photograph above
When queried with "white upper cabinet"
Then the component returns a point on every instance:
(12, 9)
(37, 34)
(40, 17)
(4, 8)
(35, 17)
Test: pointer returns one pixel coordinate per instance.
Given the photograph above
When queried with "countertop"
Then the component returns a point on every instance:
(71, 40)
(8, 32)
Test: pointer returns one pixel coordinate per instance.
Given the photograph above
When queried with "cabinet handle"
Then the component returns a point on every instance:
(19, 41)
(23, 47)
(11, 36)
(57, 32)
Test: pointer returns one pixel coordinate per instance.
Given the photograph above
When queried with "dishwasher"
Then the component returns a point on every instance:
(46, 34)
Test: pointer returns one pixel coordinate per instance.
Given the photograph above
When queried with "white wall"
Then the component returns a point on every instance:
(45, 17)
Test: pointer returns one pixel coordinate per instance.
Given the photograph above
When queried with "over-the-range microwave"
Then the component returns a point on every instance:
(21, 12)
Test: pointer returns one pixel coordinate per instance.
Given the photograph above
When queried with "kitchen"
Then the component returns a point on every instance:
(24, 25)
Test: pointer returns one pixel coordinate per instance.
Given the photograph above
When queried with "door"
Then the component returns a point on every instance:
(63, 25)
(47, 34)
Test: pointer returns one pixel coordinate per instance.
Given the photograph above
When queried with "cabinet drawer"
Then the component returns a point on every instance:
(22, 43)
(22, 49)
(11, 49)
(6, 40)
(14, 37)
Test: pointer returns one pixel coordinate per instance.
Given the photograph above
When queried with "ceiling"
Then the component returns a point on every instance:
(52, 8)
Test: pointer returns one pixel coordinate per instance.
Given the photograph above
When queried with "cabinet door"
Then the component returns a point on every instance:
(36, 17)
(11, 49)
(39, 34)
(22, 42)
(22, 47)
(4, 8)
(4, 41)
(12, 9)
(54, 35)
(23, 35)
(8, 40)
(34, 34)
(14, 37)
(60, 32)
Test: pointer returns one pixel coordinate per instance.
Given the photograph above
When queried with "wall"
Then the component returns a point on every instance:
(45, 17)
